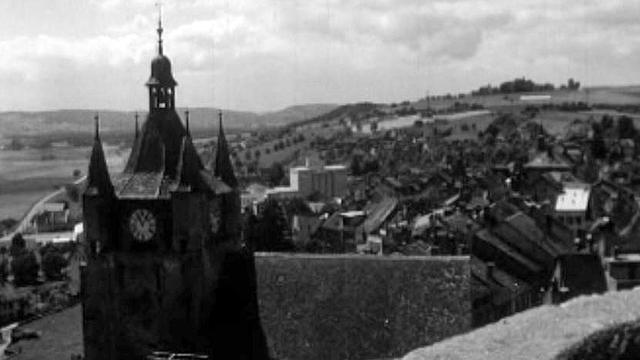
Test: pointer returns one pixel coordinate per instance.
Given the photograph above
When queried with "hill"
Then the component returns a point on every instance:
(23, 123)
(609, 95)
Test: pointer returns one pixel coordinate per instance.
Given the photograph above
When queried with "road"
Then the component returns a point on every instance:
(34, 210)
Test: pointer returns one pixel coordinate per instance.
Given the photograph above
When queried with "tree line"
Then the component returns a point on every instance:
(520, 85)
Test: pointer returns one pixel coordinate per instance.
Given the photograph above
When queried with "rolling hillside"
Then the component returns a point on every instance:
(201, 119)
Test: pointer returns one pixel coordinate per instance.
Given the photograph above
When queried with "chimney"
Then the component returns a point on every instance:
(490, 266)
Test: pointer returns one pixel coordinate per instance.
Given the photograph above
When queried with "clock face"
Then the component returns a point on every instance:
(142, 224)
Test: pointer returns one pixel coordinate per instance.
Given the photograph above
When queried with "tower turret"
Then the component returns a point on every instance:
(223, 168)
(161, 83)
(98, 179)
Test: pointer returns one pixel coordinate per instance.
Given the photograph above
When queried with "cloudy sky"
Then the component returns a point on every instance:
(267, 54)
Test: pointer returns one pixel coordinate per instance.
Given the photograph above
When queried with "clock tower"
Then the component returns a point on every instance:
(166, 268)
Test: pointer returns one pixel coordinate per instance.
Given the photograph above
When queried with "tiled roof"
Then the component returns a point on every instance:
(139, 185)
(500, 283)
(506, 250)
(532, 240)
(98, 180)
(378, 212)
(544, 161)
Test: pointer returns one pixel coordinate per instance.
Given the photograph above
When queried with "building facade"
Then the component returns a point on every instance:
(166, 269)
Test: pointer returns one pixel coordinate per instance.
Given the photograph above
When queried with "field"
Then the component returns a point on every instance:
(618, 95)
(27, 175)
(61, 337)
(286, 154)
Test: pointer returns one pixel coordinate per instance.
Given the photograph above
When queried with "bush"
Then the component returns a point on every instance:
(276, 173)
(72, 192)
(18, 245)
(25, 269)
(52, 265)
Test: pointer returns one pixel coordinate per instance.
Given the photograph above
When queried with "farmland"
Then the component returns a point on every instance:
(29, 174)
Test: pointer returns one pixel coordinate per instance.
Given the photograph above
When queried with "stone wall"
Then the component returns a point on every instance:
(360, 307)
(587, 327)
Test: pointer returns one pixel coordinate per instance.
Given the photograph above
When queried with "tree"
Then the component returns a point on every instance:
(52, 265)
(18, 245)
(573, 85)
(7, 224)
(606, 122)
(276, 173)
(15, 145)
(598, 148)
(72, 192)
(4, 265)
(626, 129)
(356, 166)
(371, 165)
(25, 269)
(273, 228)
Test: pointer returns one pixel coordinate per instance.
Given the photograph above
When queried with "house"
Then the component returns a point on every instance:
(541, 187)
(623, 271)
(574, 275)
(342, 232)
(496, 294)
(545, 161)
(572, 206)
(51, 217)
(303, 228)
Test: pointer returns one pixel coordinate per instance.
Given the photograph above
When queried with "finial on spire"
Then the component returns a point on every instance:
(220, 118)
(96, 119)
(186, 116)
(137, 128)
(159, 5)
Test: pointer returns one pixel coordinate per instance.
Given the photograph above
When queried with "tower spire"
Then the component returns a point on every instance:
(186, 117)
(98, 180)
(159, 5)
(137, 127)
(96, 119)
(224, 169)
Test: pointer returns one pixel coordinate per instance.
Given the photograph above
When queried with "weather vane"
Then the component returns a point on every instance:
(159, 6)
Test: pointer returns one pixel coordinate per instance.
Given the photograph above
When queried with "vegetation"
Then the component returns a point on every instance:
(276, 174)
(25, 269)
(18, 245)
(53, 263)
(269, 231)
(522, 85)
(7, 224)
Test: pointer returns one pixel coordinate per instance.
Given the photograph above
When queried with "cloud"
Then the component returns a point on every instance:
(268, 53)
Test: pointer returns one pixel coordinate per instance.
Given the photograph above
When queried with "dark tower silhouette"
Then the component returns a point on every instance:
(166, 269)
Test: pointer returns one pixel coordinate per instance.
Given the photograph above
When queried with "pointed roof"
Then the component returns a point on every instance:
(148, 153)
(223, 168)
(98, 179)
(137, 130)
(186, 122)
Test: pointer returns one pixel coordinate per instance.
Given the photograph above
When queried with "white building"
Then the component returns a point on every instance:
(572, 206)
(330, 181)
